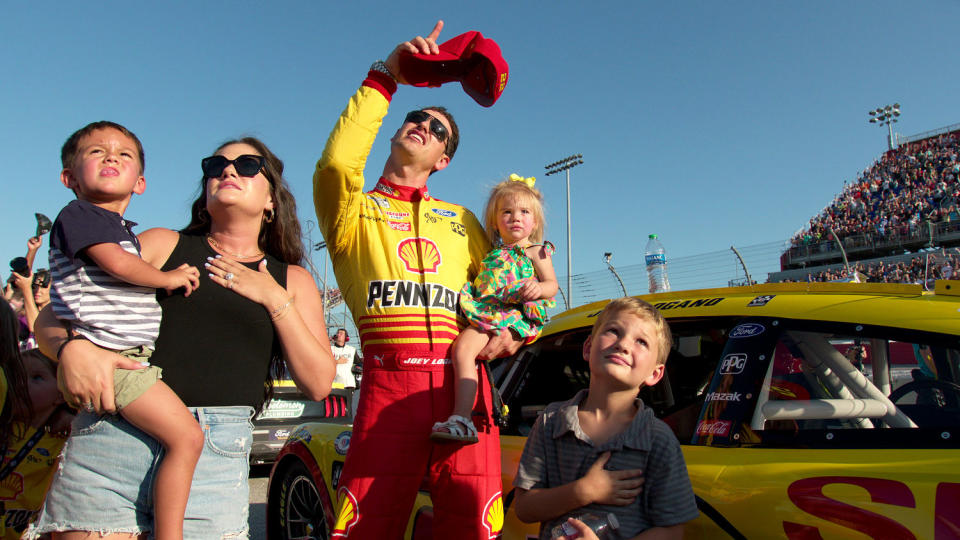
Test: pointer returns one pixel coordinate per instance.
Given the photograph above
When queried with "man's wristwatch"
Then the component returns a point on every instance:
(381, 66)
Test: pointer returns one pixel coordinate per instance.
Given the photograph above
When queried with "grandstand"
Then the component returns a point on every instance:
(896, 222)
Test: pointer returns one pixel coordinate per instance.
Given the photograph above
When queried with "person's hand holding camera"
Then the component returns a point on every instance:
(23, 282)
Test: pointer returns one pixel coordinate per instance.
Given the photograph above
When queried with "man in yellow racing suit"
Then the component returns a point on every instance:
(400, 257)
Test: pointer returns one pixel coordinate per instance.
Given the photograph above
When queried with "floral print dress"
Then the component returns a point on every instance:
(493, 301)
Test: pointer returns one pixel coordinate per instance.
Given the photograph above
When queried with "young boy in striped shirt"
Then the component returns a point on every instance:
(106, 293)
(603, 451)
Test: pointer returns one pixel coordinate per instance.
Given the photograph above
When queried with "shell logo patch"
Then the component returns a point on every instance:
(493, 516)
(11, 487)
(420, 255)
(348, 516)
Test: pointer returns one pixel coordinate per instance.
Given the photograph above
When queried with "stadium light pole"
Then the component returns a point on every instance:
(886, 115)
(566, 164)
(606, 259)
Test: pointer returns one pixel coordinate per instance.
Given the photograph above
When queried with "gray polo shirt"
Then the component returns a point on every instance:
(558, 452)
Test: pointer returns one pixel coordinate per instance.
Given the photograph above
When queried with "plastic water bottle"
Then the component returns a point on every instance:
(599, 524)
(656, 258)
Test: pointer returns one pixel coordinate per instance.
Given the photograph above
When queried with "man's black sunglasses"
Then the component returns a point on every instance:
(436, 126)
(246, 165)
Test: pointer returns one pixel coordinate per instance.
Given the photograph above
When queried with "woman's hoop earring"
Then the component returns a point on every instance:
(269, 216)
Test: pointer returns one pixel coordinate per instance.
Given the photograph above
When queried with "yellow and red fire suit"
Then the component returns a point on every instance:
(400, 257)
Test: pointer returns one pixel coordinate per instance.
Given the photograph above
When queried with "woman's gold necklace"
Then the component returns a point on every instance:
(217, 245)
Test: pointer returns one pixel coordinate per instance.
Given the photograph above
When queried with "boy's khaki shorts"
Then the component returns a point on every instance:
(129, 384)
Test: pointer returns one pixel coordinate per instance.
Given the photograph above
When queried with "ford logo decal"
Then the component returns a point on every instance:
(747, 330)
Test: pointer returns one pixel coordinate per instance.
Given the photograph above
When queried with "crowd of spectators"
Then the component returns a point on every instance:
(27, 290)
(923, 268)
(903, 189)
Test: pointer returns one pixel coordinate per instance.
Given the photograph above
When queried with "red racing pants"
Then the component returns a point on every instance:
(391, 456)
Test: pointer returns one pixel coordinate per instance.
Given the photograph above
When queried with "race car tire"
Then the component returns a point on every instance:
(298, 513)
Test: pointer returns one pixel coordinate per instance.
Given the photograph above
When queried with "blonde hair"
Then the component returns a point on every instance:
(646, 312)
(510, 189)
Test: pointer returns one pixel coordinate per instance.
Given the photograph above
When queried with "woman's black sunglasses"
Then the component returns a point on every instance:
(436, 126)
(246, 165)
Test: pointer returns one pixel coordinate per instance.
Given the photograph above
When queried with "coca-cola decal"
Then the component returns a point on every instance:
(719, 428)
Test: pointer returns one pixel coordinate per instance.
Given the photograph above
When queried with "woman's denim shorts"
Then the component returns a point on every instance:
(105, 480)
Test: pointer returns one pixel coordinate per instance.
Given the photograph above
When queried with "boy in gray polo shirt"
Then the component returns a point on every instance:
(603, 451)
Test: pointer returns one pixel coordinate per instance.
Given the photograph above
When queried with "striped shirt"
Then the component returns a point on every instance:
(108, 311)
(558, 452)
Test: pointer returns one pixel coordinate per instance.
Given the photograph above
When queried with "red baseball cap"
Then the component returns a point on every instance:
(470, 58)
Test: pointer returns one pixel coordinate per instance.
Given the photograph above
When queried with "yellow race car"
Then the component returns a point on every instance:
(805, 411)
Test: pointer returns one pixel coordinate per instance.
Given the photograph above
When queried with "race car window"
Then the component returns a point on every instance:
(867, 382)
(803, 383)
(553, 369)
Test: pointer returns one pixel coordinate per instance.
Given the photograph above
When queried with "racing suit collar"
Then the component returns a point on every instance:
(403, 193)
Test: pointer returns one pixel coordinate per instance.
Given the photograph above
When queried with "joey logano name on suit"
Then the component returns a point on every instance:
(402, 293)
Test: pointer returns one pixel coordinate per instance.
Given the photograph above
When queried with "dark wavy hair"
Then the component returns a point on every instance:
(13, 370)
(281, 237)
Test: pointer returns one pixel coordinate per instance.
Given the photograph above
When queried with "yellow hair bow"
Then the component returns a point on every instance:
(528, 181)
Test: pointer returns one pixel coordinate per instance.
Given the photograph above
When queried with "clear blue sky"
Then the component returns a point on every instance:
(709, 123)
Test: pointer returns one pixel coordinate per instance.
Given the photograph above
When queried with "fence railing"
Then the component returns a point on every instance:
(928, 134)
(903, 237)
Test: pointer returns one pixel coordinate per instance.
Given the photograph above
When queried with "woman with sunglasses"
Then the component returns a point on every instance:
(219, 350)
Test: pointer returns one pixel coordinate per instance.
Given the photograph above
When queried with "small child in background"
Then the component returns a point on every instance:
(106, 293)
(513, 290)
(603, 452)
(35, 425)
(13, 378)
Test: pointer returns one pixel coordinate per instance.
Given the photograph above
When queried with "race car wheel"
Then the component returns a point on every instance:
(299, 512)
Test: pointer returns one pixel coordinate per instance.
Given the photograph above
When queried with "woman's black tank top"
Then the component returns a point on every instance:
(215, 345)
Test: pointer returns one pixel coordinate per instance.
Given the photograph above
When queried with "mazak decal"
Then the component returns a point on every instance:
(676, 304)
(733, 364)
(720, 428)
(399, 225)
(761, 300)
(444, 212)
(493, 516)
(723, 396)
(400, 293)
(381, 202)
(747, 330)
(458, 228)
(420, 255)
(342, 443)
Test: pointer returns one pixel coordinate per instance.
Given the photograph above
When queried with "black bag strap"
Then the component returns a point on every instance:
(501, 413)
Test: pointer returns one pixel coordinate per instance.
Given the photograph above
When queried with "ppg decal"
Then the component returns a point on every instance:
(733, 364)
